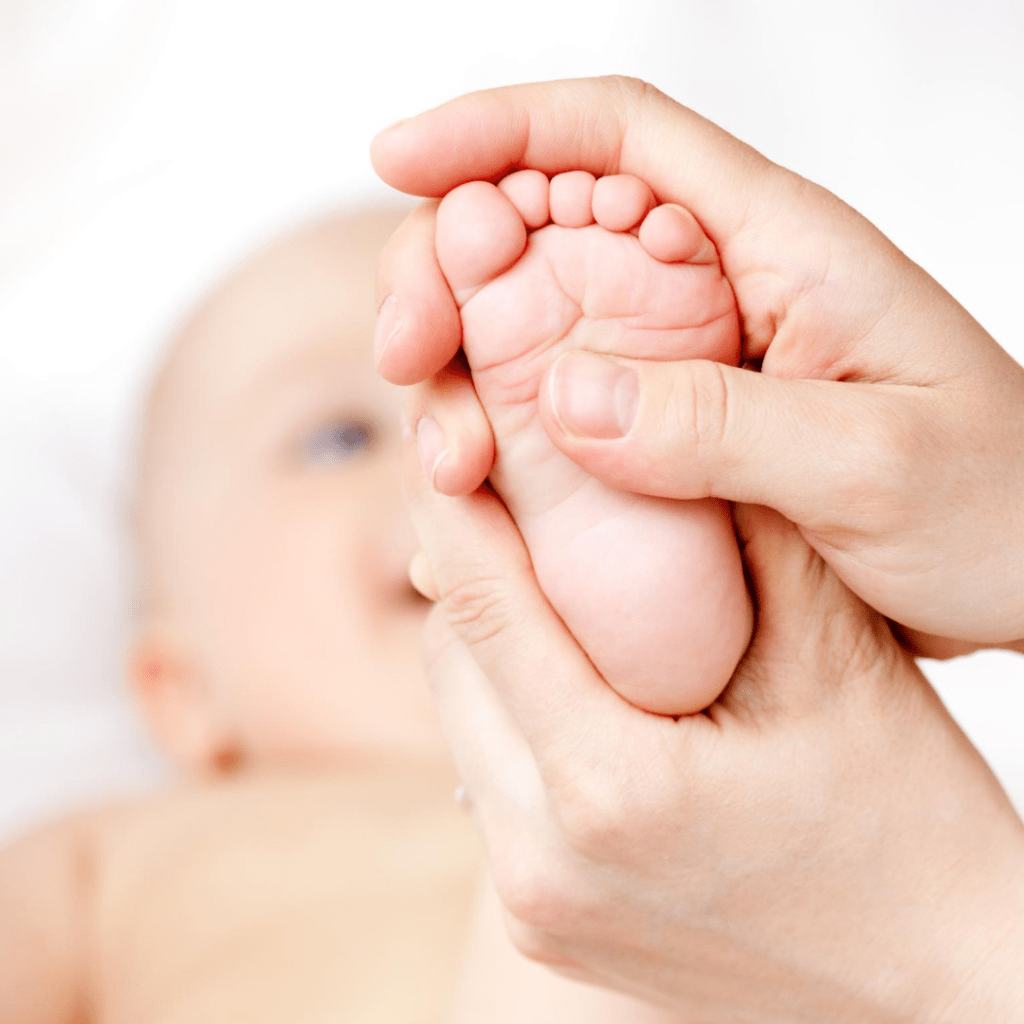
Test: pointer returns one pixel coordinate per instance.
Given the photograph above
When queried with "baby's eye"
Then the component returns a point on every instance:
(338, 441)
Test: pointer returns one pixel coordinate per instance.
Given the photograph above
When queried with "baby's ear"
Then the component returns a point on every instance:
(184, 717)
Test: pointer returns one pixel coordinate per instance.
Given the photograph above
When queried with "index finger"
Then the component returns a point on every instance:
(603, 125)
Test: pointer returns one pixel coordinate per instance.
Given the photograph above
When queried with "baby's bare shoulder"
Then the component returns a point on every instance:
(58, 864)
(49, 881)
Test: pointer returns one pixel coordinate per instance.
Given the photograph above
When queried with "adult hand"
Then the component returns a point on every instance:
(885, 421)
(822, 844)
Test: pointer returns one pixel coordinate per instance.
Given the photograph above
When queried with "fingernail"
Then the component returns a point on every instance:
(388, 325)
(432, 445)
(594, 397)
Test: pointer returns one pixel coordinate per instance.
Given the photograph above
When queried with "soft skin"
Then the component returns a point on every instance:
(652, 589)
(266, 896)
(885, 422)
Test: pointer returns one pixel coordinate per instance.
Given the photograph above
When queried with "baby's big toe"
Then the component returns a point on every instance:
(480, 234)
(671, 234)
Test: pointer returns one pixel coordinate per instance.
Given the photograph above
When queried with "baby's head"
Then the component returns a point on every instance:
(278, 623)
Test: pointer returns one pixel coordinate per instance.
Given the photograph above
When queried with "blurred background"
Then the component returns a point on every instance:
(146, 146)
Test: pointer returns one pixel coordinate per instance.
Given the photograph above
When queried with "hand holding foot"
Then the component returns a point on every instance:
(774, 859)
(885, 422)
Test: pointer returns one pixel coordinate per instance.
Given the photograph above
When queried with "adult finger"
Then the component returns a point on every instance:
(453, 434)
(696, 429)
(603, 125)
(418, 325)
(503, 790)
(488, 595)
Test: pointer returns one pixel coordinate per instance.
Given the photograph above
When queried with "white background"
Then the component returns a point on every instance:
(145, 146)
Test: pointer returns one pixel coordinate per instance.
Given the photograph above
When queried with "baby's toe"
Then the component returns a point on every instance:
(480, 234)
(571, 199)
(671, 234)
(621, 201)
(528, 192)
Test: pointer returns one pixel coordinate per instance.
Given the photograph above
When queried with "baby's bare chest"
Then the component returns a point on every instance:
(251, 921)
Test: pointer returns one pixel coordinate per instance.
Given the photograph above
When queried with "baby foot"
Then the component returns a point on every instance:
(652, 589)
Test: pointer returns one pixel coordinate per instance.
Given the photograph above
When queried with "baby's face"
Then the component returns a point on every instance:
(278, 544)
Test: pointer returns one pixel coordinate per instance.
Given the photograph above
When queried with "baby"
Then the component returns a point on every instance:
(652, 589)
(315, 867)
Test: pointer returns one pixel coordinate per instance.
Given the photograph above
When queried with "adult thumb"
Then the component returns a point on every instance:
(694, 429)
(609, 125)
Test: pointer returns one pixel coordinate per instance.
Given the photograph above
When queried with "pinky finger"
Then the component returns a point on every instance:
(418, 326)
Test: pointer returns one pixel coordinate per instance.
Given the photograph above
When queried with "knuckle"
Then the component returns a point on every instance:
(477, 607)
(888, 457)
(603, 813)
(702, 410)
(591, 818)
(534, 891)
(634, 103)
(636, 92)
(436, 639)
(711, 403)
(889, 452)
(536, 945)
(630, 87)
(407, 235)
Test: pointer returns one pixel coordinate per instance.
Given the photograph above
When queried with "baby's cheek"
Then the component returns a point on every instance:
(303, 631)
(293, 639)
(249, 595)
